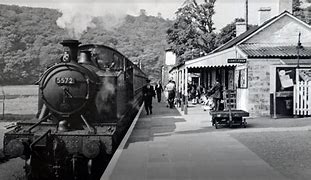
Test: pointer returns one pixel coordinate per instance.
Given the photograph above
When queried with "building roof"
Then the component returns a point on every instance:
(242, 36)
(234, 41)
(251, 32)
(264, 51)
(176, 66)
(219, 56)
(295, 61)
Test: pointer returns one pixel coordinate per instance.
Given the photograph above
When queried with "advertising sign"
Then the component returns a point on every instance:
(286, 80)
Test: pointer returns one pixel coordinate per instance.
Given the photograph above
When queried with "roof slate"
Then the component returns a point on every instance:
(259, 51)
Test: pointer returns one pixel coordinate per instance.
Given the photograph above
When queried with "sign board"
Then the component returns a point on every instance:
(286, 80)
(237, 60)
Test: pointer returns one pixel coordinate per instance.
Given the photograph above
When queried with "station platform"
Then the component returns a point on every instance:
(171, 145)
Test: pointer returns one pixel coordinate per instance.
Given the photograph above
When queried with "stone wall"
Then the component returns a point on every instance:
(259, 86)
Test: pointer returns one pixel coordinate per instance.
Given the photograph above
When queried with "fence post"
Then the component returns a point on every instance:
(295, 100)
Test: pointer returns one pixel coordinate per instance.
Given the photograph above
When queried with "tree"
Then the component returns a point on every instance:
(226, 34)
(192, 34)
(302, 13)
(297, 10)
(229, 32)
(30, 41)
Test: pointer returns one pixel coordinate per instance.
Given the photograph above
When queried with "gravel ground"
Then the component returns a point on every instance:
(289, 152)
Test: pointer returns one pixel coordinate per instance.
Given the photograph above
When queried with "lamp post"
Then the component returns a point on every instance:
(299, 46)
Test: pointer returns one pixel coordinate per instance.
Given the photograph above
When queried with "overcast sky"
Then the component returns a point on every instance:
(226, 10)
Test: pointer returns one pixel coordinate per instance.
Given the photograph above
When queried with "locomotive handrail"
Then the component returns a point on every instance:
(38, 123)
(88, 125)
(41, 118)
(38, 139)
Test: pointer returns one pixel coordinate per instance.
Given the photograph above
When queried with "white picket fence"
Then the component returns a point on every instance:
(302, 98)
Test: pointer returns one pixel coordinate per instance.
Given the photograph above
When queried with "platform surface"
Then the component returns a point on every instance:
(171, 145)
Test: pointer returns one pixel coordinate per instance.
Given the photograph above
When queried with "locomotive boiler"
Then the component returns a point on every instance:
(87, 101)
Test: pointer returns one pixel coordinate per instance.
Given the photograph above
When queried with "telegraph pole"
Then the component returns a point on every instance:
(246, 14)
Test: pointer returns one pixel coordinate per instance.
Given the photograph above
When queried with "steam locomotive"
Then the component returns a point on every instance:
(87, 101)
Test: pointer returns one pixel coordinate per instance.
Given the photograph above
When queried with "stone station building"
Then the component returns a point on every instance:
(259, 65)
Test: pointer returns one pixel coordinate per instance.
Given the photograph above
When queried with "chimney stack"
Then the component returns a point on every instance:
(240, 27)
(285, 5)
(264, 15)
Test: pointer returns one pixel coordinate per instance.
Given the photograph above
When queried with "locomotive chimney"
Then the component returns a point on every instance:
(71, 46)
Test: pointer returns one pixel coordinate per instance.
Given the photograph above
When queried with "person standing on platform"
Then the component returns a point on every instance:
(159, 90)
(170, 88)
(216, 92)
(148, 94)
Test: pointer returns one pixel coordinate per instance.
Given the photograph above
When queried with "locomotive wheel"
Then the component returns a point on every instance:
(213, 121)
(244, 124)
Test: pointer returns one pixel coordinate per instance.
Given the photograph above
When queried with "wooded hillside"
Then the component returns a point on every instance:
(30, 41)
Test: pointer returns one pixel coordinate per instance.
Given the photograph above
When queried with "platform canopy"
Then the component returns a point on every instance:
(219, 59)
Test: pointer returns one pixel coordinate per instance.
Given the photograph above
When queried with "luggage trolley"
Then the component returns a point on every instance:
(230, 116)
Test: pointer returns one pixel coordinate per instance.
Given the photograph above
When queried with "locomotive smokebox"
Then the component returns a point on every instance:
(71, 47)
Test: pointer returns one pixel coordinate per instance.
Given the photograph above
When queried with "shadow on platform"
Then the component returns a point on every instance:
(161, 123)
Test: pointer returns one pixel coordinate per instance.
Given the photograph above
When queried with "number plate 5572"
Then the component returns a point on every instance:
(64, 80)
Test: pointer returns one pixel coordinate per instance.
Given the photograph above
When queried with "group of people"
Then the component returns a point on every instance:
(195, 92)
(211, 98)
(149, 93)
